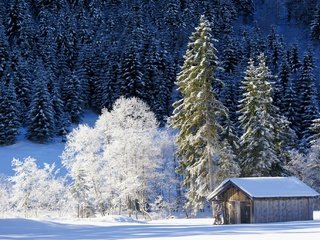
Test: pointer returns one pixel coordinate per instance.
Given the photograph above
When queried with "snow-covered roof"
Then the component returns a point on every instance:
(267, 187)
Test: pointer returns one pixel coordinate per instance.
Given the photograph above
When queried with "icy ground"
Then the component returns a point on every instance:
(117, 227)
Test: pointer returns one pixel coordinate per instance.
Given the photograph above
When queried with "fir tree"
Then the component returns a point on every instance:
(263, 128)
(290, 107)
(40, 116)
(132, 78)
(9, 123)
(307, 110)
(72, 98)
(58, 111)
(231, 57)
(4, 51)
(280, 87)
(196, 116)
(315, 25)
(228, 167)
(294, 61)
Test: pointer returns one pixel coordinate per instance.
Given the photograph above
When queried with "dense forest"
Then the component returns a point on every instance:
(205, 68)
(61, 57)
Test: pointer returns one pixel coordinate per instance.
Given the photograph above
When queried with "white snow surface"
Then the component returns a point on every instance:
(44, 153)
(120, 227)
(270, 187)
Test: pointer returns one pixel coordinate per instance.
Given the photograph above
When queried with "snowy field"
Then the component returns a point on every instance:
(117, 227)
(44, 153)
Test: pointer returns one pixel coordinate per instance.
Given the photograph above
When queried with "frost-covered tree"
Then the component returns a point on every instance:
(131, 129)
(265, 132)
(296, 165)
(35, 188)
(196, 116)
(83, 160)
(5, 205)
(312, 166)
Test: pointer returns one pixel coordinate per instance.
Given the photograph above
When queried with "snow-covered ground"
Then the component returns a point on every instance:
(44, 153)
(118, 227)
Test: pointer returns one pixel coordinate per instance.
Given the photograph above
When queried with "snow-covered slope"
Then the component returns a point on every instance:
(124, 228)
(44, 153)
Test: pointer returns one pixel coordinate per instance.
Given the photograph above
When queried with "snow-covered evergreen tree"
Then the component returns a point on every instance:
(264, 130)
(315, 24)
(197, 116)
(306, 95)
(132, 77)
(294, 60)
(4, 51)
(9, 122)
(40, 116)
(71, 94)
(228, 165)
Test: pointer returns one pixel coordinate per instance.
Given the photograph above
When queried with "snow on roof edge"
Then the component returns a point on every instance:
(268, 187)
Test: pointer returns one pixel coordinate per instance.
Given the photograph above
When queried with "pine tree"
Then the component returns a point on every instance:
(9, 123)
(228, 167)
(40, 116)
(315, 25)
(58, 111)
(262, 141)
(306, 95)
(132, 78)
(72, 98)
(280, 87)
(294, 61)
(196, 116)
(22, 81)
(4, 51)
(231, 57)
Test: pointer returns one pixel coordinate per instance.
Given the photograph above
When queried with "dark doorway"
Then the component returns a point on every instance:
(245, 212)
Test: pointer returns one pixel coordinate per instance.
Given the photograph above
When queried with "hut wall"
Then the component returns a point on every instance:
(234, 194)
(282, 209)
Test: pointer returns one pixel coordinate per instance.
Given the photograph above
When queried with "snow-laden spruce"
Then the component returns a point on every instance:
(265, 137)
(197, 117)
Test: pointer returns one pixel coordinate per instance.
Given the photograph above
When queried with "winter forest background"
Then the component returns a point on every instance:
(144, 67)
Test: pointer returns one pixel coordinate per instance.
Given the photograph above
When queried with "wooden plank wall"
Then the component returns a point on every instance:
(234, 194)
(282, 209)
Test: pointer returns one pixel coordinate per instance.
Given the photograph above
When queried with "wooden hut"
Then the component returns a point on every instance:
(264, 199)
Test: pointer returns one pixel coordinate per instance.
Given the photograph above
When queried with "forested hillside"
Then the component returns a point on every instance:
(238, 80)
(61, 57)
